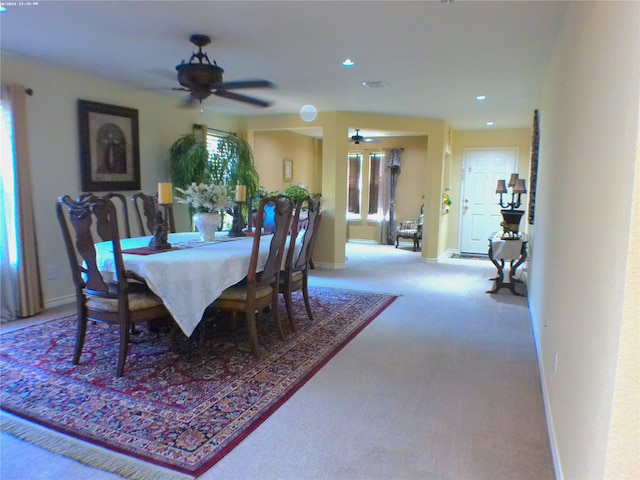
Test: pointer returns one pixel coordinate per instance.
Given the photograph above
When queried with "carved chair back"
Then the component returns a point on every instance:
(123, 204)
(147, 206)
(282, 212)
(301, 260)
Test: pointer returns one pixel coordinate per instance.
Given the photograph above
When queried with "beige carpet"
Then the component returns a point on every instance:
(443, 384)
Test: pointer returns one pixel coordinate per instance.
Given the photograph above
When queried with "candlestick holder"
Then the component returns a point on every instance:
(160, 231)
(238, 224)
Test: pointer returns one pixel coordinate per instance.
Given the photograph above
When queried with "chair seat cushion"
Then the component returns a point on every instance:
(410, 225)
(137, 301)
(407, 233)
(239, 292)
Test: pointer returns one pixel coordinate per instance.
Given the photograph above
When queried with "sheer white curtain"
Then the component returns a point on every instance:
(9, 273)
(20, 275)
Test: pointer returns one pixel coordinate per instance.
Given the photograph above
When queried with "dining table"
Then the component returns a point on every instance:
(189, 276)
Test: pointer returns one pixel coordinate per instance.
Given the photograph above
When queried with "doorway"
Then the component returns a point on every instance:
(480, 215)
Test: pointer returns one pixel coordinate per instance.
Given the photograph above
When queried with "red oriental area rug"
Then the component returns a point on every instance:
(181, 405)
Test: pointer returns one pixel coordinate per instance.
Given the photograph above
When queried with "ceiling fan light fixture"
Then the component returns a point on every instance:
(196, 75)
(202, 78)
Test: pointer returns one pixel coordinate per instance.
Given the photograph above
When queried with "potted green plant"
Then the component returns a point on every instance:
(296, 192)
(233, 164)
(189, 161)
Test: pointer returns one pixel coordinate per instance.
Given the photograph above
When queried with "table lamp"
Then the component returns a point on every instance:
(510, 214)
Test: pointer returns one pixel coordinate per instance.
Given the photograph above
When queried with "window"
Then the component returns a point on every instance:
(363, 195)
(217, 158)
(374, 182)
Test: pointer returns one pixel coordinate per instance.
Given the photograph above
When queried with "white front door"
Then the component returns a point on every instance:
(480, 213)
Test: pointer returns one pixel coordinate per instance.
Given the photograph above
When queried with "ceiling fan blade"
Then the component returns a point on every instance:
(254, 83)
(371, 140)
(241, 98)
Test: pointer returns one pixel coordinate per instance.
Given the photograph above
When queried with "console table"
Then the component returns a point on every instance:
(502, 250)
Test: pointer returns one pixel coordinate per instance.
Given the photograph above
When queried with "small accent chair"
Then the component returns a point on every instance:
(411, 229)
(147, 205)
(123, 300)
(294, 276)
(259, 290)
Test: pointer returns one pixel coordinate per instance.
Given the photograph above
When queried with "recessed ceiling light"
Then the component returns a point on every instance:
(375, 84)
(488, 124)
(481, 98)
(348, 63)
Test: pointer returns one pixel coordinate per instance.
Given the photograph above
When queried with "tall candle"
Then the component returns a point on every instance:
(241, 193)
(165, 193)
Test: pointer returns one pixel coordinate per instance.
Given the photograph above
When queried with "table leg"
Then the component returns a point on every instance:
(499, 282)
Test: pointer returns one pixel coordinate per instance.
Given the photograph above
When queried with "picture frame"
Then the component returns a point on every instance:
(287, 169)
(109, 147)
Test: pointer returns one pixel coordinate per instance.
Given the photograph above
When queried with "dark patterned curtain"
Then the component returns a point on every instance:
(393, 162)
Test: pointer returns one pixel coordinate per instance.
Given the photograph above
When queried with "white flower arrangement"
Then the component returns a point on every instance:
(205, 197)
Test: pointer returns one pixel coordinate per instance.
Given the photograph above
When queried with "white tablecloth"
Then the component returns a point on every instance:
(506, 249)
(189, 279)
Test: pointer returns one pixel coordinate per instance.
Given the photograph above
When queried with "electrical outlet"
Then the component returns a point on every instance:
(51, 272)
(555, 361)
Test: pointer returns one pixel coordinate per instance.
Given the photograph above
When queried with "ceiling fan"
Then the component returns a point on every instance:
(201, 78)
(357, 138)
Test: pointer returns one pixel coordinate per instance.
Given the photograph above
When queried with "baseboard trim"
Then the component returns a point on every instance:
(553, 444)
(428, 260)
(59, 302)
(329, 266)
(447, 254)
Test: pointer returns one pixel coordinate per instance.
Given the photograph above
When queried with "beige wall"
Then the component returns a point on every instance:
(581, 308)
(272, 147)
(54, 148)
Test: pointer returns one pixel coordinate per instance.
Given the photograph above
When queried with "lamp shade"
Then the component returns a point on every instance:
(513, 180)
(519, 186)
(501, 187)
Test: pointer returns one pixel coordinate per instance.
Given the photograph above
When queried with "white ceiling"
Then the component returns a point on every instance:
(434, 57)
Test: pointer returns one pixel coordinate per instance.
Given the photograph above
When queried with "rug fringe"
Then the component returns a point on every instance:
(85, 453)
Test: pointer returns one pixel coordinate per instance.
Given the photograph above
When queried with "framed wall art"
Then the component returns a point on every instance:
(533, 177)
(109, 147)
(287, 169)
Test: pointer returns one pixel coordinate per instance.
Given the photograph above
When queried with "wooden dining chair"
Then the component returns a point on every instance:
(123, 205)
(123, 298)
(294, 276)
(147, 206)
(259, 290)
